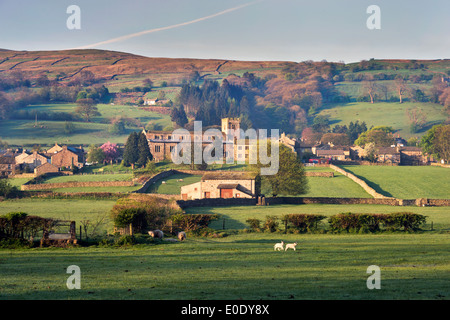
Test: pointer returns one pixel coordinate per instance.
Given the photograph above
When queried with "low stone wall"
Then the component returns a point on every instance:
(359, 181)
(309, 200)
(363, 163)
(435, 164)
(45, 186)
(168, 173)
(217, 202)
(154, 179)
(324, 174)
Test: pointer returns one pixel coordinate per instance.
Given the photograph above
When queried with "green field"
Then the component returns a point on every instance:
(242, 266)
(238, 266)
(337, 187)
(24, 132)
(406, 182)
(63, 209)
(235, 217)
(391, 114)
(89, 178)
(171, 184)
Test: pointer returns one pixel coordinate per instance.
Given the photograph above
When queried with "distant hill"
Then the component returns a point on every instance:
(110, 65)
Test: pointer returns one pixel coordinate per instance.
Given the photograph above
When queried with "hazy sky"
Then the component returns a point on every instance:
(293, 30)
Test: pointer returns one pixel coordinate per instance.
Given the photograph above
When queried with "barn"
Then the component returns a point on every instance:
(222, 185)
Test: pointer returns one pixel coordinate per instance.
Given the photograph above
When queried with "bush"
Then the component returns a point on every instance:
(255, 224)
(271, 223)
(354, 222)
(145, 213)
(192, 222)
(302, 222)
(406, 220)
(21, 225)
(125, 240)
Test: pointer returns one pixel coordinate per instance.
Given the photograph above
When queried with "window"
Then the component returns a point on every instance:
(157, 148)
(172, 148)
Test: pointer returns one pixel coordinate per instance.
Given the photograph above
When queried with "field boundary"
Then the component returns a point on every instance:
(87, 184)
(216, 202)
(361, 182)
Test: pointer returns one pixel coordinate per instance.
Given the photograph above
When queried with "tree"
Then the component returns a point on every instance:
(5, 106)
(87, 109)
(321, 124)
(6, 189)
(117, 127)
(110, 150)
(436, 142)
(144, 154)
(178, 115)
(95, 155)
(339, 139)
(401, 87)
(69, 127)
(131, 153)
(370, 87)
(290, 178)
(381, 136)
(417, 119)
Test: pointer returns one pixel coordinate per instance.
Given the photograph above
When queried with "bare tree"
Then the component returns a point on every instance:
(401, 87)
(370, 87)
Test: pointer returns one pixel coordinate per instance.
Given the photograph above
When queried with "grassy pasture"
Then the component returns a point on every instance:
(242, 266)
(239, 266)
(89, 178)
(172, 185)
(391, 114)
(24, 132)
(406, 182)
(235, 217)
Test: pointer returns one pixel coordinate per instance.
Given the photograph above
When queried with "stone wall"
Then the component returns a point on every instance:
(309, 200)
(359, 181)
(45, 186)
(324, 174)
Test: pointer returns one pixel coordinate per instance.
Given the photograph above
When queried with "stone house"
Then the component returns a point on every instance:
(388, 155)
(335, 154)
(45, 168)
(32, 160)
(222, 185)
(55, 149)
(68, 157)
(412, 156)
(8, 165)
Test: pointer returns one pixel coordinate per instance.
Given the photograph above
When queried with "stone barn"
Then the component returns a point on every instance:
(222, 185)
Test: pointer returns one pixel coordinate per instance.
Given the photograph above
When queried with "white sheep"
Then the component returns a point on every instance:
(156, 234)
(181, 235)
(290, 245)
(279, 246)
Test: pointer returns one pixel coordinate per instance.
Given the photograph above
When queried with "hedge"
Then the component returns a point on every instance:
(302, 222)
(192, 222)
(358, 222)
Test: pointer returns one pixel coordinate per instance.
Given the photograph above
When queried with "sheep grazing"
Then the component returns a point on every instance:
(156, 234)
(291, 246)
(279, 246)
(181, 235)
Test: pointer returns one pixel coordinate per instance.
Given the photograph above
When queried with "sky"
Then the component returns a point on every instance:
(277, 30)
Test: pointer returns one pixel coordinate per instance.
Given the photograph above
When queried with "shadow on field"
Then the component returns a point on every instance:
(371, 184)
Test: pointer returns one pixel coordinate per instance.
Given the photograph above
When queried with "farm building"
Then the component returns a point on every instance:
(388, 155)
(68, 157)
(33, 160)
(8, 165)
(222, 185)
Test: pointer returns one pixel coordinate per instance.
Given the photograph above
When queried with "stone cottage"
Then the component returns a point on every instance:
(222, 185)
